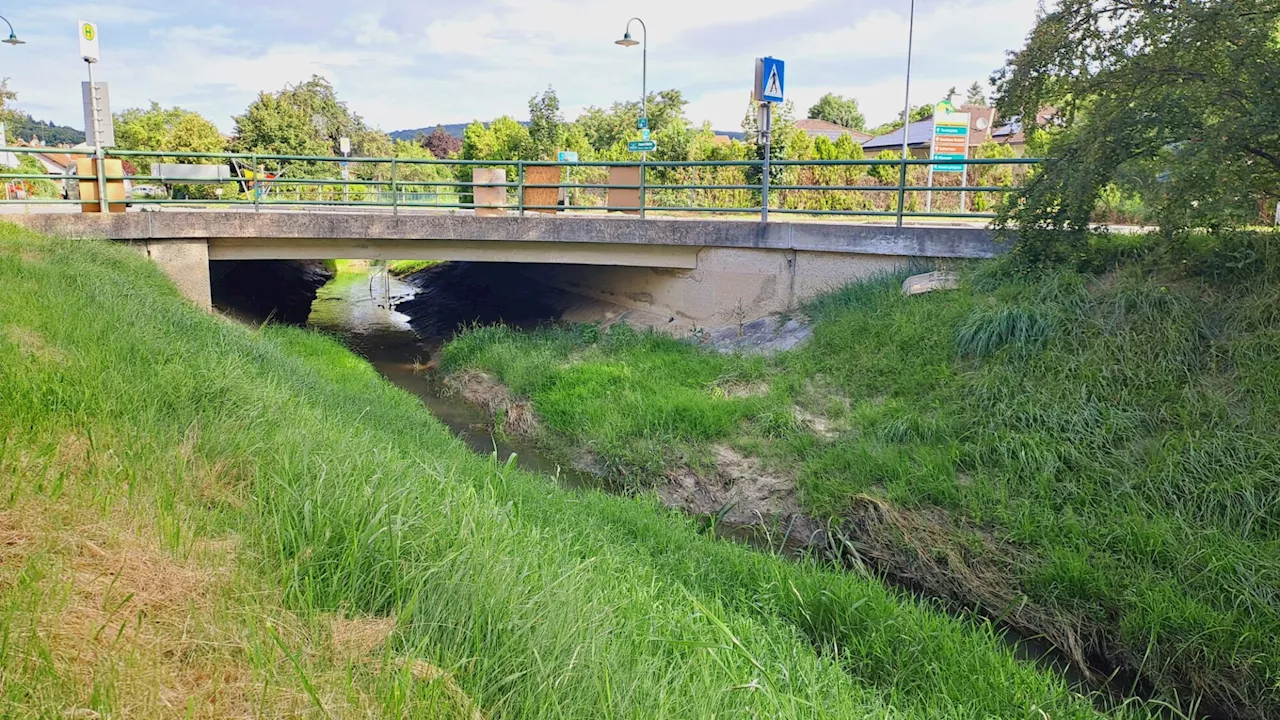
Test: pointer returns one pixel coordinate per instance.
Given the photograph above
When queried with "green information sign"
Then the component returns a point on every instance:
(642, 146)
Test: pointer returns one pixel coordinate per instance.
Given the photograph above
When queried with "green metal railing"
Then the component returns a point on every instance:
(819, 188)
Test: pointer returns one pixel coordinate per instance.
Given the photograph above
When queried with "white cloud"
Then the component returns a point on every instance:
(405, 64)
(369, 30)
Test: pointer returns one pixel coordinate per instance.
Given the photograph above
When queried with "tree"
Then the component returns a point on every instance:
(169, 130)
(22, 125)
(975, 95)
(839, 110)
(7, 114)
(918, 113)
(1196, 104)
(609, 130)
(546, 125)
(502, 139)
(303, 119)
(440, 143)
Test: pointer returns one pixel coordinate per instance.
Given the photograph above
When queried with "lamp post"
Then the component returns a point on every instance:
(13, 38)
(627, 41)
(906, 114)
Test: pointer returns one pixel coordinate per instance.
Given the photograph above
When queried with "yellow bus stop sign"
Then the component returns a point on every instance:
(89, 41)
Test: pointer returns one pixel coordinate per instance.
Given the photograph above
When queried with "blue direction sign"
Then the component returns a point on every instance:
(772, 80)
(642, 146)
(567, 156)
(644, 134)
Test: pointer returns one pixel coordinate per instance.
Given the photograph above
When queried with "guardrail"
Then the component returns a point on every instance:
(820, 188)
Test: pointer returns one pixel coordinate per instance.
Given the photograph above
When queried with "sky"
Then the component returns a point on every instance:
(414, 63)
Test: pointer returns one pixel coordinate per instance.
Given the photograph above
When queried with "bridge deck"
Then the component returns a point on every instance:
(529, 238)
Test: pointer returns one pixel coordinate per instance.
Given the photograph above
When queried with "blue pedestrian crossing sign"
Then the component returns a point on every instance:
(770, 80)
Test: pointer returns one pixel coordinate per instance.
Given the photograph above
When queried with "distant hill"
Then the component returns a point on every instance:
(456, 129)
(25, 127)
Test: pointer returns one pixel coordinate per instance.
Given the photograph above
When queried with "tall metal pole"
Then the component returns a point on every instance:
(906, 115)
(97, 143)
(765, 123)
(644, 97)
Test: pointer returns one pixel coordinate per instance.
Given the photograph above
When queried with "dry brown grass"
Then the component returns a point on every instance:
(115, 607)
(517, 416)
(936, 552)
(34, 345)
(106, 609)
(359, 637)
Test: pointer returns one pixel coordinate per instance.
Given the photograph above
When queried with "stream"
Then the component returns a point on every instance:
(357, 307)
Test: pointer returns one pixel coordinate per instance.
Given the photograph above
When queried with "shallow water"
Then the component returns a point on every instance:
(357, 307)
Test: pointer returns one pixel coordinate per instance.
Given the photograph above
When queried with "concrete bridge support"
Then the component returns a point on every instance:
(186, 262)
(727, 287)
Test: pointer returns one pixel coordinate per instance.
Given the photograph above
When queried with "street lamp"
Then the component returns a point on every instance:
(906, 114)
(626, 41)
(13, 38)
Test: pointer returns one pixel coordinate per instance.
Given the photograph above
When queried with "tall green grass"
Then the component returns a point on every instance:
(1112, 437)
(353, 500)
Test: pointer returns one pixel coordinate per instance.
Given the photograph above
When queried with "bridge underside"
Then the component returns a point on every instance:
(570, 253)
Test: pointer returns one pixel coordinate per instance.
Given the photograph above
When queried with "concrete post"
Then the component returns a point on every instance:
(186, 262)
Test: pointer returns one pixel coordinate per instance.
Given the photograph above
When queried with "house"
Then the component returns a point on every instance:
(920, 134)
(1011, 133)
(829, 130)
(54, 162)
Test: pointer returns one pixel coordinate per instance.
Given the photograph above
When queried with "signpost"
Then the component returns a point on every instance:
(7, 160)
(568, 156)
(88, 33)
(950, 142)
(769, 89)
(642, 146)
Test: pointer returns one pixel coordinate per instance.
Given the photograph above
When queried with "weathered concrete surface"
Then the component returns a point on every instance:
(916, 241)
(730, 286)
(930, 282)
(186, 262)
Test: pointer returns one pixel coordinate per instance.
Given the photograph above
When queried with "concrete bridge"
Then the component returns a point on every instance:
(699, 272)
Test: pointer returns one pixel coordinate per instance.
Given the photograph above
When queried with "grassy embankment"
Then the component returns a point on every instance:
(401, 268)
(1092, 456)
(207, 520)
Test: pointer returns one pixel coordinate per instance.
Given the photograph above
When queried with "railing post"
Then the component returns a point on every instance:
(764, 186)
(643, 166)
(395, 190)
(520, 185)
(257, 181)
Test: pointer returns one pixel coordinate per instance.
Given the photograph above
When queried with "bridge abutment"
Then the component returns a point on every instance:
(729, 285)
(186, 262)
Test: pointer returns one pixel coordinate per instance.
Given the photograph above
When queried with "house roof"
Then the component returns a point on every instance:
(919, 133)
(829, 130)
